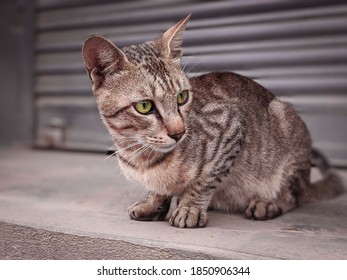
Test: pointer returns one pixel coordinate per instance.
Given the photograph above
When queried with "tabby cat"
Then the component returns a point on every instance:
(218, 141)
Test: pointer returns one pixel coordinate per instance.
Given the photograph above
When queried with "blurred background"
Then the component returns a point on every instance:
(295, 48)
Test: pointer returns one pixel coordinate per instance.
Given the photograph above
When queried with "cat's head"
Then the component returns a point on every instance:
(142, 93)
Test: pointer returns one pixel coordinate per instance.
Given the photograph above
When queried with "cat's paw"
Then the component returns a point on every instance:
(144, 211)
(259, 209)
(188, 217)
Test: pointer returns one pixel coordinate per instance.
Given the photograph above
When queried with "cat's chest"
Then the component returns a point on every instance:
(170, 177)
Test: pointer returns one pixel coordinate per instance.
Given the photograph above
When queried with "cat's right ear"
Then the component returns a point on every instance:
(101, 57)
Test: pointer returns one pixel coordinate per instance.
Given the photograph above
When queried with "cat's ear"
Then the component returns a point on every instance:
(102, 57)
(170, 43)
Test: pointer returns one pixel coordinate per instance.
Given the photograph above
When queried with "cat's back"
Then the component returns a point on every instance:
(244, 100)
(227, 86)
(269, 126)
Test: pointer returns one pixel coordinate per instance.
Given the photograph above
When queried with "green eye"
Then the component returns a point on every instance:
(144, 107)
(182, 97)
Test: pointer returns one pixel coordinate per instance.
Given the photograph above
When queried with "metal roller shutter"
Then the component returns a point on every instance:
(297, 49)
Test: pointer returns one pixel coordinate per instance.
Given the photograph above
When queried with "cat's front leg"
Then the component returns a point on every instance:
(191, 211)
(153, 208)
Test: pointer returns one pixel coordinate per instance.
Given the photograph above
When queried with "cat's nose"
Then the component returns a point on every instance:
(177, 136)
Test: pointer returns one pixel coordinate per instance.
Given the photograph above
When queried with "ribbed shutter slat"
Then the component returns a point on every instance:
(295, 48)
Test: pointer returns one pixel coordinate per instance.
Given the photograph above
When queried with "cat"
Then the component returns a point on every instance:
(218, 141)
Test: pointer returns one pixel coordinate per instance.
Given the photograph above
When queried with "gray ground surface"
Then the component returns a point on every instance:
(59, 205)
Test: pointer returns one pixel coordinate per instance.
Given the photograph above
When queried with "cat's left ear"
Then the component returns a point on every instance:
(170, 43)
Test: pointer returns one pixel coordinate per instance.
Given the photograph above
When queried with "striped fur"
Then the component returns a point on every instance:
(239, 148)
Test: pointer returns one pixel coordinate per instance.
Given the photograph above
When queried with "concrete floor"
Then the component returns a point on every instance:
(60, 205)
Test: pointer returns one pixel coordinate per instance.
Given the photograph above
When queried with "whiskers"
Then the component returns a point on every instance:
(129, 141)
(188, 67)
(185, 62)
(130, 148)
(133, 156)
(188, 136)
(111, 151)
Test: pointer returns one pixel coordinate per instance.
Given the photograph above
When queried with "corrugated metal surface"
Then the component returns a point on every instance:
(297, 49)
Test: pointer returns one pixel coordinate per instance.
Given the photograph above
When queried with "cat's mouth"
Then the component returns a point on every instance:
(165, 149)
(163, 145)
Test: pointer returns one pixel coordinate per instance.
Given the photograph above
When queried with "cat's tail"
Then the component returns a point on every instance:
(329, 186)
